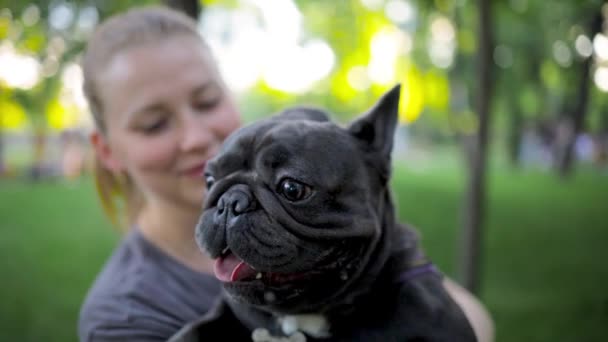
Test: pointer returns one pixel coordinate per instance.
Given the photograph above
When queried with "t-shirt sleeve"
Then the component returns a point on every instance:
(143, 295)
(106, 319)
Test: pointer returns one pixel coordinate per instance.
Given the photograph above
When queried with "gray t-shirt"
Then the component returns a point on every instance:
(143, 294)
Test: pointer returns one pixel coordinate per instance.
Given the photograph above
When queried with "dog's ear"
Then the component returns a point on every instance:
(303, 113)
(377, 127)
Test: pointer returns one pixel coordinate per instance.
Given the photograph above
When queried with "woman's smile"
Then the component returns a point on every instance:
(194, 171)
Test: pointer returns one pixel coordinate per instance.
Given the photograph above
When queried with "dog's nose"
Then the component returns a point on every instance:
(236, 201)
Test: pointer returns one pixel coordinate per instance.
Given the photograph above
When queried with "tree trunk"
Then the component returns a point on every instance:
(39, 170)
(604, 121)
(574, 123)
(515, 136)
(477, 144)
(191, 7)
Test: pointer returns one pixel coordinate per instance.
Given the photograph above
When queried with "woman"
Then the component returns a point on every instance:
(161, 111)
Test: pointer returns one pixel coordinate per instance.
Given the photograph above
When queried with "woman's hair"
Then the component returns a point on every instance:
(117, 34)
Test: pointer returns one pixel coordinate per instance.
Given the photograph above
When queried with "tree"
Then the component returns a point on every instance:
(477, 151)
(574, 123)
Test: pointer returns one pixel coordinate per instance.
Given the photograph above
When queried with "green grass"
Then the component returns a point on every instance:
(544, 272)
(545, 247)
(53, 241)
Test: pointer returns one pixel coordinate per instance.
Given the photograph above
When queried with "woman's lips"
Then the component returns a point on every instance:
(195, 171)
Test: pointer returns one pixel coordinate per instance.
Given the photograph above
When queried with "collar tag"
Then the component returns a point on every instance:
(313, 325)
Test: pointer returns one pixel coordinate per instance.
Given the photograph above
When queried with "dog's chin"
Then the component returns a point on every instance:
(286, 293)
(290, 297)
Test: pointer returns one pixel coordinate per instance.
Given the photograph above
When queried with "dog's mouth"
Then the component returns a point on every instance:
(229, 268)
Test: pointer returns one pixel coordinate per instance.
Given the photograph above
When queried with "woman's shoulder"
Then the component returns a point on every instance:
(141, 293)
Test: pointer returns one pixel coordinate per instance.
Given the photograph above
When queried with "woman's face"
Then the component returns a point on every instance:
(166, 112)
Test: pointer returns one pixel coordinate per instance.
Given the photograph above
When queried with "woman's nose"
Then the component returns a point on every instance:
(197, 134)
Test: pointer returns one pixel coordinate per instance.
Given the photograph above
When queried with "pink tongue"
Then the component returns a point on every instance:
(231, 268)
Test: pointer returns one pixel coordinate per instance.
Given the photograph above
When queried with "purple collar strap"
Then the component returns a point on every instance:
(417, 271)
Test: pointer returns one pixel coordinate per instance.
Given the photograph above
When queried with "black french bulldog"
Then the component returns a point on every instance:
(300, 221)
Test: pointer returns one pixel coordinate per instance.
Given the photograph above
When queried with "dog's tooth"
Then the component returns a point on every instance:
(258, 276)
(225, 250)
(270, 297)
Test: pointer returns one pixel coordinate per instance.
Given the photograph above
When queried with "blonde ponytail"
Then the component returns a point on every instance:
(119, 199)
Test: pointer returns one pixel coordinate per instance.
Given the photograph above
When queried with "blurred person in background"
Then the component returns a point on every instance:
(73, 156)
(161, 111)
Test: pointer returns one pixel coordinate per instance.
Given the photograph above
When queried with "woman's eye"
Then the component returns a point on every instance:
(154, 127)
(293, 190)
(206, 104)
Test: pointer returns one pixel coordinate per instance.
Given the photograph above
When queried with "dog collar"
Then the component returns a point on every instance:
(416, 271)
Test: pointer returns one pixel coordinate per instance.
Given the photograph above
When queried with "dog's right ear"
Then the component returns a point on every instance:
(376, 130)
(303, 113)
(377, 127)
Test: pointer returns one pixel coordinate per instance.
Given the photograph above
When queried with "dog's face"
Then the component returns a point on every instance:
(292, 214)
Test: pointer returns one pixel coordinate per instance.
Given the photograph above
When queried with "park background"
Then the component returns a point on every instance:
(501, 156)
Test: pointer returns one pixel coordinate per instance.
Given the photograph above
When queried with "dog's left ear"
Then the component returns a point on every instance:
(377, 126)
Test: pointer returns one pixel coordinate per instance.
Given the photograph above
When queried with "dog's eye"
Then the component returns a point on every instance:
(209, 180)
(293, 190)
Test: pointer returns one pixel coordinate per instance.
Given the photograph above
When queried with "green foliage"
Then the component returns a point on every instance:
(527, 29)
(13, 114)
(529, 100)
(5, 23)
(34, 38)
(225, 3)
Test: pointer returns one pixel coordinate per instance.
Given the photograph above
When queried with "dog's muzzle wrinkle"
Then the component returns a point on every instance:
(234, 202)
(209, 236)
(213, 226)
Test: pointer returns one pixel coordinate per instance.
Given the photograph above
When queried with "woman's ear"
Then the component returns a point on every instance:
(104, 153)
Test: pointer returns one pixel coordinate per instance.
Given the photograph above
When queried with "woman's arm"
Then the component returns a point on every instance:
(476, 313)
